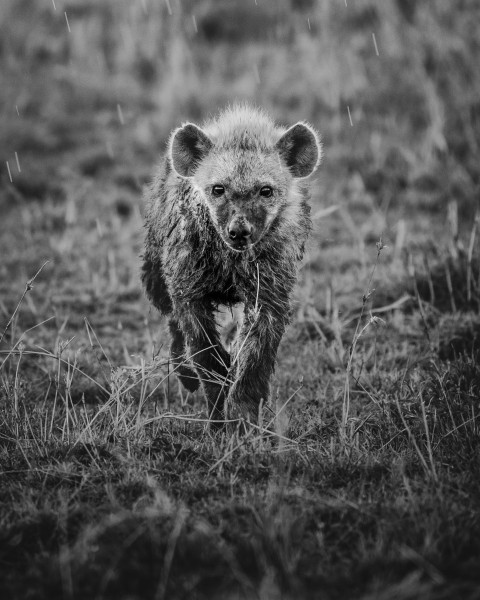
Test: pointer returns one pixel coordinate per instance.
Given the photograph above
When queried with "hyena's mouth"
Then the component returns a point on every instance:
(240, 246)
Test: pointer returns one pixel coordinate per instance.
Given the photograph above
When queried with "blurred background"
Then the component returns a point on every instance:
(110, 78)
(90, 90)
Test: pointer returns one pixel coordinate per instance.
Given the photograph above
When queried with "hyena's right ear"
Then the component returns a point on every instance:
(301, 149)
(188, 146)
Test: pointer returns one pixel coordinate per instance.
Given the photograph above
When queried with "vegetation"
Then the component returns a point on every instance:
(363, 480)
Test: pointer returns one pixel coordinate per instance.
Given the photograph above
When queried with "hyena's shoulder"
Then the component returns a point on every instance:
(177, 223)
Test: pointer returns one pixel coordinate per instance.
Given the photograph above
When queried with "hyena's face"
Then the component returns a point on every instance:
(244, 192)
(245, 188)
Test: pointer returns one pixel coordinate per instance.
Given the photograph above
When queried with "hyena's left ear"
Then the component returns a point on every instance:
(301, 149)
(188, 146)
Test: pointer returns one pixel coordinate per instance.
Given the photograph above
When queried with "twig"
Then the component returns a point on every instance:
(28, 287)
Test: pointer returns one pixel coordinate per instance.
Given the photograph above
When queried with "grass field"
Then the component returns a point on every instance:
(363, 479)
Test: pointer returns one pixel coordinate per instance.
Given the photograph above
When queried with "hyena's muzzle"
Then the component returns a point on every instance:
(243, 228)
(239, 232)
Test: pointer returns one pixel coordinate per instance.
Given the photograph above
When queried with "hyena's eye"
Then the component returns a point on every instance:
(218, 190)
(266, 191)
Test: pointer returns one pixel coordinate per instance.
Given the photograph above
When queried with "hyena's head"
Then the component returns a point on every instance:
(245, 168)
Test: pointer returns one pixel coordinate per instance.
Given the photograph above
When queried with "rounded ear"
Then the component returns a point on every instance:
(188, 146)
(301, 149)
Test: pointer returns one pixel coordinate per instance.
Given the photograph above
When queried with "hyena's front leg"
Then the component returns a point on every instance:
(254, 357)
(187, 375)
(206, 353)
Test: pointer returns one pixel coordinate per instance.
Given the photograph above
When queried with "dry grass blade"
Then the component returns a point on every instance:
(179, 522)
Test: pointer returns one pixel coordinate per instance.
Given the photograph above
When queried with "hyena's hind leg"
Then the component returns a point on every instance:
(184, 372)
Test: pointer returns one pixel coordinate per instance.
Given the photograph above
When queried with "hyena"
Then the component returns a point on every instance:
(227, 223)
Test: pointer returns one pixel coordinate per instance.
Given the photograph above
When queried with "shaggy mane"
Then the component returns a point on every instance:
(244, 127)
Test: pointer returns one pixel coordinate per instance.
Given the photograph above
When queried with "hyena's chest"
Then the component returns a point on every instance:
(225, 283)
(202, 274)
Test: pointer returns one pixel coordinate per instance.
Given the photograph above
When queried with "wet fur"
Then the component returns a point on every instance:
(189, 271)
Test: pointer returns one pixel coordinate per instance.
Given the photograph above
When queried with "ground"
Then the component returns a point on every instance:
(363, 478)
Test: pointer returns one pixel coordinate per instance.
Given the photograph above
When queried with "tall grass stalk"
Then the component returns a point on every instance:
(359, 331)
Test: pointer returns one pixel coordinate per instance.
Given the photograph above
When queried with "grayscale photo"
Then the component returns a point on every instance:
(239, 300)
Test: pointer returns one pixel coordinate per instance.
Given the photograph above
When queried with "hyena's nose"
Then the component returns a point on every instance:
(239, 231)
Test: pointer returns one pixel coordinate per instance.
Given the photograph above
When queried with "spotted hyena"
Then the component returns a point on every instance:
(227, 222)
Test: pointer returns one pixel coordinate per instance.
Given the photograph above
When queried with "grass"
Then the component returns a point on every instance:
(361, 480)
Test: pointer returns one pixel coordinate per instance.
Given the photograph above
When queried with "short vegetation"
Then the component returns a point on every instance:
(362, 478)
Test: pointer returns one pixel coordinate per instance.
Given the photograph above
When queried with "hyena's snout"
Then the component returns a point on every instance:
(239, 232)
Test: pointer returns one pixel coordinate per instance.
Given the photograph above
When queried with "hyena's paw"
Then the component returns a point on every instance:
(188, 378)
(243, 404)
